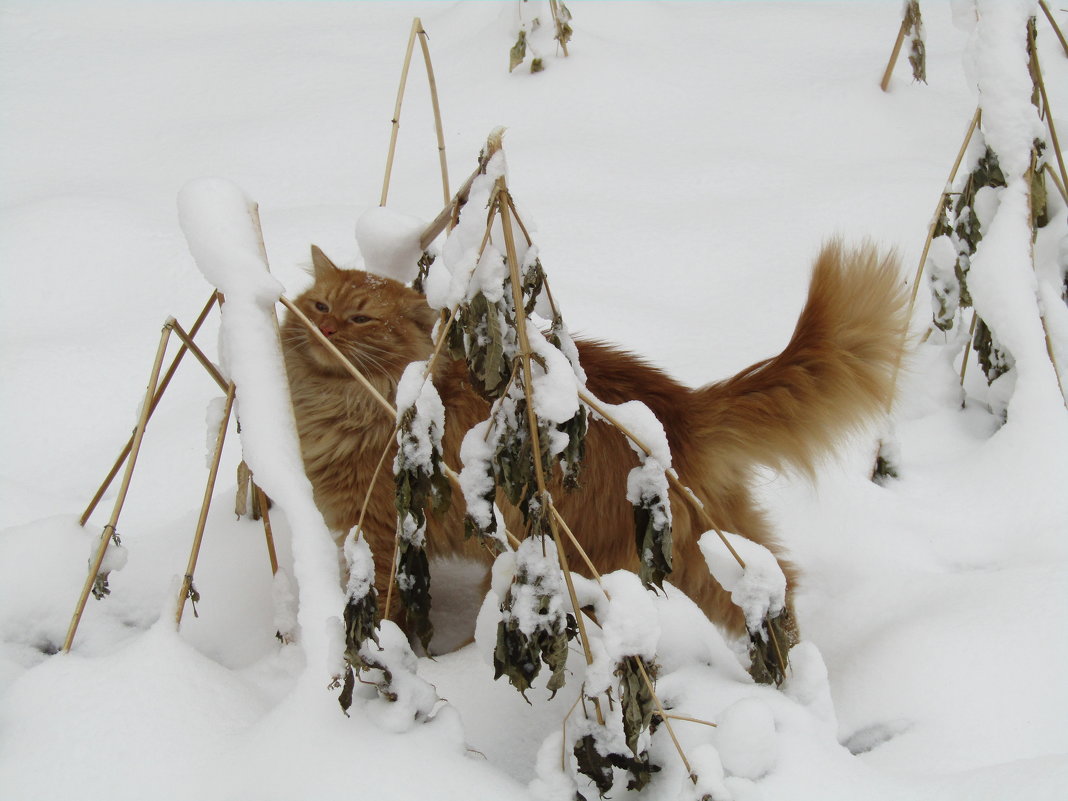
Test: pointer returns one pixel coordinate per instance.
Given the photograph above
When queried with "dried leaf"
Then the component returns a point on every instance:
(518, 51)
(635, 698)
(593, 764)
(777, 636)
(652, 533)
(413, 586)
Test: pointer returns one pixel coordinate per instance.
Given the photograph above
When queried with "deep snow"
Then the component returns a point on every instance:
(682, 166)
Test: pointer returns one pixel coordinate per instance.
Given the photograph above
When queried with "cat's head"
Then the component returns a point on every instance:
(379, 324)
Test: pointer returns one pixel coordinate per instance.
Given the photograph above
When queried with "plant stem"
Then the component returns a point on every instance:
(135, 448)
(386, 406)
(532, 416)
(198, 536)
(156, 398)
(1056, 27)
(416, 25)
(884, 84)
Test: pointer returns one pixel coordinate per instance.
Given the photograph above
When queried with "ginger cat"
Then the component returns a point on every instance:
(835, 374)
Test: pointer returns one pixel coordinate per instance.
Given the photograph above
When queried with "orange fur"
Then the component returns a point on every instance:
(835, 373)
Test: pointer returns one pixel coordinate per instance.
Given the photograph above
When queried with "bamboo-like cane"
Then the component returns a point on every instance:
(267, 532)
(1056, 27)
(1056, 181)
(448, 214)
(667, 721)
(532, 419)
(135, 448)
(386, 406)
(555, 11)
(937, 215)
(211, 369)
(209, 489)
(439, 129)
(1041, 313)
(884, 84)
(1049, 122)
(417, 31)
(156, 398)
(397, 110)
(673, 477)
(968, 347)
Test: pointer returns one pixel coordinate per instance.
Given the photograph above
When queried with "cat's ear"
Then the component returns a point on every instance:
(322, 267)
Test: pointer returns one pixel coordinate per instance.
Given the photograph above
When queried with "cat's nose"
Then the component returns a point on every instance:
(328, 328)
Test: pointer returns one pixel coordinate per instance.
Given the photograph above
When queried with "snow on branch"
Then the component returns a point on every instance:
(220, 225)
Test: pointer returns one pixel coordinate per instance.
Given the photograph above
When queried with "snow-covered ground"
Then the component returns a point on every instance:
(682, 167)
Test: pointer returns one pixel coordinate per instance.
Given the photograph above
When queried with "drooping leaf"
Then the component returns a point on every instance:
(518, 51)
(533, 628)
(768, 648)
(993, 358)
(593, 764)
(413, 586)
(652, 533)
(635, 698)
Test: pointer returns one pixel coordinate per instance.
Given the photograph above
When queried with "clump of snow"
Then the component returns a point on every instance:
(217, 219)
(389, 243)
(476, 477)
(421, 439)
(555, 385)
(808, 684)
(360, 564)
(758, 589)
(115, 557)
(537, 560)
(284, 596)
(746, 739)
(449, 279)
(638, 419)
(411, 700)
(551, 782)
(708, 767)
(629, 626)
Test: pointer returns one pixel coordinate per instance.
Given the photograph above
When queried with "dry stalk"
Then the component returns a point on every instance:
(156, 398)
(267, 532)
(559, 23)
(1053, 23)
(423, 38)
(673, 477)
(1056, 181)
(968, 347)
(211, 369)
(135, 447)
(532, 419)
(416, 32)
(1054, 141)
(666, 719)
(578, 547)
(448, 214)
(397, 110)
(693, 720)
(198, 537)
(386, 406)
(938, 214)
(885, 83)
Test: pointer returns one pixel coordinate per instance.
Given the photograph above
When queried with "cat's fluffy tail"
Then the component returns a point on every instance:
(837, 372)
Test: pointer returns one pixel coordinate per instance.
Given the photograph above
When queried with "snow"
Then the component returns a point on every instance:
(389, 242)
(758, 589)
(219, 224)
(684, 163)
(746, 740)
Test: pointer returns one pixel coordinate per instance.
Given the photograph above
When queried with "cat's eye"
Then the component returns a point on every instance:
(320, 306)
(360, 319)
